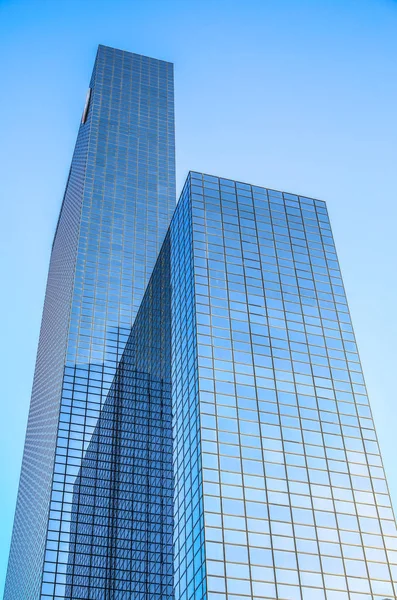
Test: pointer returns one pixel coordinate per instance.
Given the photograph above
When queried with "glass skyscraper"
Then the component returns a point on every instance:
(280, 491)
(118, 202)
(218, 444)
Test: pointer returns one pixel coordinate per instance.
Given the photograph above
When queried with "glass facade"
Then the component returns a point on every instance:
(189, 551)
(118, 202)
(296, 505)
(122, 511)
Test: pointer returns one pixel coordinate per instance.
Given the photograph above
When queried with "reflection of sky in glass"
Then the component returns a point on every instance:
(295, 498)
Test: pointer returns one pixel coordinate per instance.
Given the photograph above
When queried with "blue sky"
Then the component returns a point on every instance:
(293, 95)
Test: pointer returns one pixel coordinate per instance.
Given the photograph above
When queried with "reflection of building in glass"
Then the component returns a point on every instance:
(121, 521)
(116, 210)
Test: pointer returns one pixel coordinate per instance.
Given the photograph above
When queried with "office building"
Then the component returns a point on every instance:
(117, 206)
(276, 455)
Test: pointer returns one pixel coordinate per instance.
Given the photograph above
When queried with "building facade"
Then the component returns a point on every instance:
(292, 494)
(118, 202)
(122, 510)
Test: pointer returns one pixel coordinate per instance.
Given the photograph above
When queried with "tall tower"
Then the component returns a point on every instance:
(279, 485)
(117, 206)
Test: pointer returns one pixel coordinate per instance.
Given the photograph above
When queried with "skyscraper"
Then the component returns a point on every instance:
(279, 491)
(215, 443)
(279, 486)
(118, 202)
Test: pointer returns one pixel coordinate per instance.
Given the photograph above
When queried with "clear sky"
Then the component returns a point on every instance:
(298, 95)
